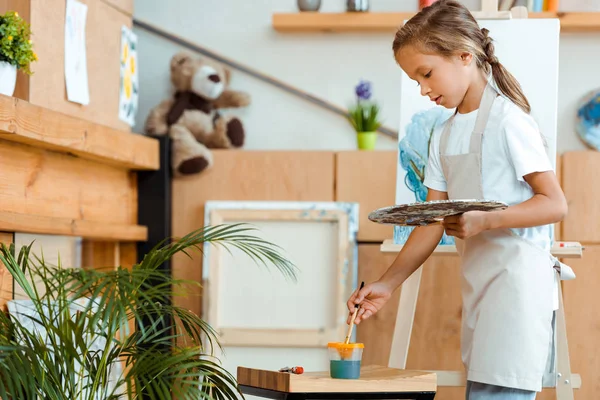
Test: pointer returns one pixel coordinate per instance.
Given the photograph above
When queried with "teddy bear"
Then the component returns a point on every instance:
(192, 118)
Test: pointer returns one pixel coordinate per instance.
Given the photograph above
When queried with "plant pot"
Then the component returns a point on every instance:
(8, 78)
(308, 5)
(366, 140)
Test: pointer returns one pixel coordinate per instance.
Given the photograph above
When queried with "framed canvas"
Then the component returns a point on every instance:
(250, 305)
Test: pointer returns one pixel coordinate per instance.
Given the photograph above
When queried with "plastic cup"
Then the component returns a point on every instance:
(345, 359)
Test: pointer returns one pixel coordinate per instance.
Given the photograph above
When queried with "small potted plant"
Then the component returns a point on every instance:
(364, 116)
(16, 50)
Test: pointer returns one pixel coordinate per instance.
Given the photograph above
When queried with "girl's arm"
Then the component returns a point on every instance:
(419, 246)
(548, 205)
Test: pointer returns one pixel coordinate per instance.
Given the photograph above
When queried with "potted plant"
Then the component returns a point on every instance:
(72, 339)
(364, 116)
(16, 50)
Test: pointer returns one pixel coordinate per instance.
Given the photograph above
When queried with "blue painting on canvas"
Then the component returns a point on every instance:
(413, 154)
(588, 120)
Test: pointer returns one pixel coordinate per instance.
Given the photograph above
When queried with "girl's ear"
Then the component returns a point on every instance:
(466, 58)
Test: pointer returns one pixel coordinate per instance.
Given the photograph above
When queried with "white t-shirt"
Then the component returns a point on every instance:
(512, 148)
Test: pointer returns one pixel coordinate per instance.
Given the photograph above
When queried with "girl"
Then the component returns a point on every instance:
(490, 148)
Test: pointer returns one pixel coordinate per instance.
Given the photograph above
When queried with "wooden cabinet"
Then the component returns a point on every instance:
(583, 321)
(369, 178)
(579, 182)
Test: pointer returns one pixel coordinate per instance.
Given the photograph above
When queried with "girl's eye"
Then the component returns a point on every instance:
(428, 75)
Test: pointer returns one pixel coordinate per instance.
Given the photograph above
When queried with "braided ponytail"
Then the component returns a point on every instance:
(505, 80)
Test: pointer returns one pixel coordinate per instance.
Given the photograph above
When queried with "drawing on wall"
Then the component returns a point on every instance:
(588, 119)
(129, 84)
(76, 77)
(413, 155)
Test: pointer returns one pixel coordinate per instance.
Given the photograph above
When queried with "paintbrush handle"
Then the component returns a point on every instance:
(351, 326)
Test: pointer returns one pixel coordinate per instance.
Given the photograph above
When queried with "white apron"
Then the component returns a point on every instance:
(508, 283)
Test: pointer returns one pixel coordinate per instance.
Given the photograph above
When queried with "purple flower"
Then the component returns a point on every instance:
(363, 90)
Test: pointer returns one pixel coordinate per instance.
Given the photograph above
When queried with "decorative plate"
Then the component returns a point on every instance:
(430, 212)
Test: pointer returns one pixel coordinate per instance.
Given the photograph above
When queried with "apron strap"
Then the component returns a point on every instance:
(445, 134)
(485, 106)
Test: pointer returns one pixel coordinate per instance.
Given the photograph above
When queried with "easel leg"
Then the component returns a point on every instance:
(564, 381)
(404, 320)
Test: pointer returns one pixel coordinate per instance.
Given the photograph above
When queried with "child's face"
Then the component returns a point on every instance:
(445, 81)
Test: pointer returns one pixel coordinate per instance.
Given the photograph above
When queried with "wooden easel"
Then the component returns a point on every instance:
(565, 381)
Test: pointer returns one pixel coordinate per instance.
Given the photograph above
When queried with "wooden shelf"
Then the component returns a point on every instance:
(389, 22)
(23, 122)
(571, 249)
(27, 223)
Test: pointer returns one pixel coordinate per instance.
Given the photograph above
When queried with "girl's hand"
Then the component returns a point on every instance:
(371, 298)
(466, 225)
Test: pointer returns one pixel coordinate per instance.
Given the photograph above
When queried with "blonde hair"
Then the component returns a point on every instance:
(446, 28)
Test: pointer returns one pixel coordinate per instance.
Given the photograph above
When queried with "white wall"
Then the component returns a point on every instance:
(326, 65)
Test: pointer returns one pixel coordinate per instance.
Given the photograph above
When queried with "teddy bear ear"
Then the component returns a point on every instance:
(179, 59)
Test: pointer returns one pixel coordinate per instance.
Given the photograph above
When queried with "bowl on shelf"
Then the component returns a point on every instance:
(309, 5)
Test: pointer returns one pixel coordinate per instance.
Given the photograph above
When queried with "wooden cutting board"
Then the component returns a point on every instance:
(373, 378)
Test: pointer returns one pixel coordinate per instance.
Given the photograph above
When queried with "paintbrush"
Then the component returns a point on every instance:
(356, 307)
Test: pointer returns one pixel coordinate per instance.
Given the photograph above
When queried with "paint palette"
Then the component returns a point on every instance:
(430, 212)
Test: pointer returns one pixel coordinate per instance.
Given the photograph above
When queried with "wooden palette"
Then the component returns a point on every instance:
(373, 378)
(430, 212)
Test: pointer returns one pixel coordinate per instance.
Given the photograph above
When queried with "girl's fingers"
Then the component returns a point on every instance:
(351, 301)
(451, 232)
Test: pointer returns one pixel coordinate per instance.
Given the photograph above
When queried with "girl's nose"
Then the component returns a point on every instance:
(425, 90)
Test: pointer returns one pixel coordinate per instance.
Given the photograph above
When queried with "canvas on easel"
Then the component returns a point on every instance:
(528, 48)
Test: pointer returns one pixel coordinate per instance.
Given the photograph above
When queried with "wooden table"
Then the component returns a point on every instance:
(375, 382)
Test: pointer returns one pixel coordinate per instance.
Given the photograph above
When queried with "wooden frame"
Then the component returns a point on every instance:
(345, 215)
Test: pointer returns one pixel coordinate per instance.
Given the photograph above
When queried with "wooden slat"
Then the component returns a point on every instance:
(244, 175)
(369, 178)
(21, 121)
(579, 170)
(103, 53)
(583, 321)
(391, 21)
(6, 280)
(99, 255)
(30, 223)
(39, 182)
